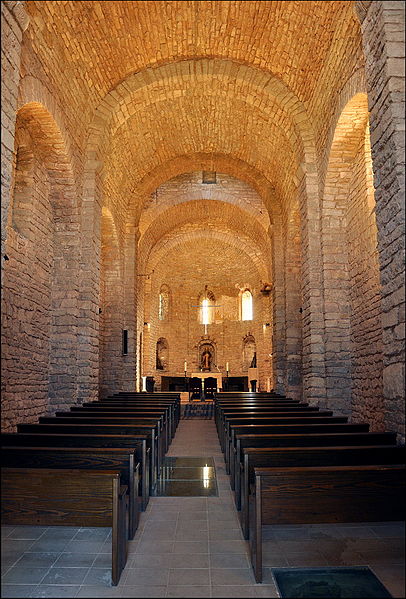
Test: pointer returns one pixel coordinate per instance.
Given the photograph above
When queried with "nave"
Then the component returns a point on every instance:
(190, 546)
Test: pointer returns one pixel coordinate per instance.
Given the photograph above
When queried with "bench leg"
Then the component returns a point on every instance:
(255, 533)
(119, 535)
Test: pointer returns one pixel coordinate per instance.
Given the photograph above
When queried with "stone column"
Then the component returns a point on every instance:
(14, 21)
(383, 28)
(130, 307)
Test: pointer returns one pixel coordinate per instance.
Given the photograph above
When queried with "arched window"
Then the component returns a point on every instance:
(163, 307)
(207, 306)
(246, 305)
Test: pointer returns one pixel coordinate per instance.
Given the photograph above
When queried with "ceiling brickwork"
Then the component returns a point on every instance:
(251, 82)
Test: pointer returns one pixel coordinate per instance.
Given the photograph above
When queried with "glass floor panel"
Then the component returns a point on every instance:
(187, 477)
(345, 582)
(196, 473)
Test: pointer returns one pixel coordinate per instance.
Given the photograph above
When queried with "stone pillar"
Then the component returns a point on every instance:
(383, 28)
(313, 357)
(130, 308)
(14, 21)
(89, 289)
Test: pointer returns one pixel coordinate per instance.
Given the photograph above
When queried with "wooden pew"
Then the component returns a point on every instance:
(119, 422)
(228, 418)
(139, 443)
(129, 405)
(160, 415)
(95, 418)
(173, 407)
(37, 496)
(58, 427)
(283, 457)
(283, 429)
(168, 398)
(328, 439)
(310, 495)
(87, 458)
(222, 412)
(233, 424)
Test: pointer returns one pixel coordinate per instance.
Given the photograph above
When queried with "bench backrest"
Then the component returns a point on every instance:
(82, 497)
(322, 439)
(321, 456)
(308, 495)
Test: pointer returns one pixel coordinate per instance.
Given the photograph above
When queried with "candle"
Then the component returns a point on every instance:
(185, 366)
(227, 366)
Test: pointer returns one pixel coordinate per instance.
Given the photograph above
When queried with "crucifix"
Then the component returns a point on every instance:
(205, 308)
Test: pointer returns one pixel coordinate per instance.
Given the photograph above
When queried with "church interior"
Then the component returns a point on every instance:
(202, 203)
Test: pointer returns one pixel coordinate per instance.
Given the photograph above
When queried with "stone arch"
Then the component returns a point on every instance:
(162, 354)
(249, 351)
(206, 300)
(206, 346)
(245, 297)
(306, 177)
(41, 327)
(352, 293)
(110, 307)
(19, 215)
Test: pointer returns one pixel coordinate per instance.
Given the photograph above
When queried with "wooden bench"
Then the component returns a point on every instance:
(295, 425)
(168, 398)
(301, 440)
(87, 458)
(263, 416)
(222, 412)
(96, 418)
(128, 406)
(139, 443)
(283, 457)
(158, 401)
(37, 496)
(58, 427)
(174, 409)
(310, 495)
(160, 415)
(285, 429)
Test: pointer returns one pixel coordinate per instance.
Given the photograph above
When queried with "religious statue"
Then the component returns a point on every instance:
(206, 360)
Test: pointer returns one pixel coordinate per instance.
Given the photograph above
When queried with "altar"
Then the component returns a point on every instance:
(205, 375)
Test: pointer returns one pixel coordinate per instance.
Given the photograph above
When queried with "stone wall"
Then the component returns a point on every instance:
(383, 31)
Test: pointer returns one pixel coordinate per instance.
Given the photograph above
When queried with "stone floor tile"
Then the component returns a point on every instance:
(308, 559)
(265, 590)
(188, 591)
(191, 547)
(24, 575)
(98, 576)
(63, 576)
(151, 546)
(92, 534)
(78, 560)
(38, 559)
(189, 576)
(149, 560)
(232, 576)
(232, 591)
(20, 591)
(228, 547)
(191, 560)
(232, 560)
(53, 591)
(147, 576)
(27, 532)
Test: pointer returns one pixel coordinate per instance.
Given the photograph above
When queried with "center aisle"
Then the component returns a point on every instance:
(191, 546)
